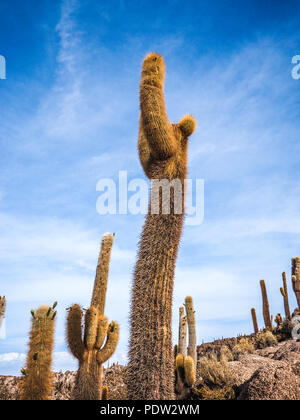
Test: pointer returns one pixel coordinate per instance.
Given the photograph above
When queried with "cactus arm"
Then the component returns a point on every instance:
(111, 343)
(91, 328)
(190, 313)
(155, 122)
(102, 331)
(100, 284)
(74, 332)
(189, 371)
(286, 297)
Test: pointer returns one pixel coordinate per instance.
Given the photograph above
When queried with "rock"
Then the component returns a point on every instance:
(271, 382)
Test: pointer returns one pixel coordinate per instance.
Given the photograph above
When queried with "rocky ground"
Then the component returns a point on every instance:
(269, 374)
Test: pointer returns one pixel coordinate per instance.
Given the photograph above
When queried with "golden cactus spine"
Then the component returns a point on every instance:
(36, 383)
(285, 295)
(254, 319)
(2, 309)
(182, 333)
(190, 314)
(296, 278)
(87, 346)
(266, 307)
(163, 155)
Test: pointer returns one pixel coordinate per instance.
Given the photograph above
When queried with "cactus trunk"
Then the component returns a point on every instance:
(190, 313)
(163, 156)
(296, 278)
(182, 333)
(266, 308)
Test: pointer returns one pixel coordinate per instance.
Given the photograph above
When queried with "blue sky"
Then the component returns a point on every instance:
(69, 117)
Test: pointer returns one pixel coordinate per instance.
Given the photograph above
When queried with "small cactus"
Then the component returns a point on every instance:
(88, 347)
(254, 319)
(36, 383)
(266, 308)
(185, 375)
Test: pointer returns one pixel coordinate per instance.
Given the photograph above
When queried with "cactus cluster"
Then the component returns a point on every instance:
(162, 150)
(97, 343)
(186, 356)
(2, 309)
(36, 383)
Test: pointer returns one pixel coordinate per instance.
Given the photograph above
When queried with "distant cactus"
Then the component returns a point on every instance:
(88, 347)
(2, 308)
(278, 320)
(254, 319)
(266, 308)
(296, 278)
(36, 383)
(285, 294)
(163, 156)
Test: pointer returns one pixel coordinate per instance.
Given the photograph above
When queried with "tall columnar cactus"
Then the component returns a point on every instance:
(36, 383)
(182, 333)
(266, 307)
(296, 278)
(88, 346)
(190, 314)
(285, 294)
(2, 309)
(254, 319)
(163, 155)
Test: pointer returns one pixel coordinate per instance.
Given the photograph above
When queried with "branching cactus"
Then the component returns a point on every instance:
(97, 343)
(296, 278)
(285, 295)
(185, 376)
(190, 314)
(163, 155)
(36, 383)
(266, 308)
(2, 309)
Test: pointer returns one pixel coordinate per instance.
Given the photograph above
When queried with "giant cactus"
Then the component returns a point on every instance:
(2, 308)
(88, 347)
(296, 278)
(163, 155)
(36, 383)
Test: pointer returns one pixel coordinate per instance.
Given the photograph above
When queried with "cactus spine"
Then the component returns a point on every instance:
(266, 308)
(285, 294)
(163, 156)
(36, 383)
(296, 278)
(88, 347)
(190, 314)
(2, 309)
(254, 319)
(182, 333)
